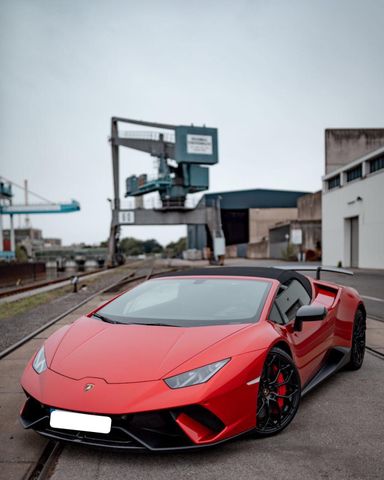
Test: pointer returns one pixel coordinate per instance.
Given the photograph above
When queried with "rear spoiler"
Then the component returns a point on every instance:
(317, 269)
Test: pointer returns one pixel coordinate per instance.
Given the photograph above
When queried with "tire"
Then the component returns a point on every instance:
(358, 341)
(279, 394)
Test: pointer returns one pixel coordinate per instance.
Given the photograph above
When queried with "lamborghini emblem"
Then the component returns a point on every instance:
(88, 387)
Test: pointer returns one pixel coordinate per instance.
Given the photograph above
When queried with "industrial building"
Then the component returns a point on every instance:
(30, 239)
(353, 195)
(246, 217)
(299, 239)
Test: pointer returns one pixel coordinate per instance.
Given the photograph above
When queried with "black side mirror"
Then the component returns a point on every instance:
(309, 313)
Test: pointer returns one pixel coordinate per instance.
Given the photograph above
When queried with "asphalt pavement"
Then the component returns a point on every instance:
(369, 284)
(338, 433)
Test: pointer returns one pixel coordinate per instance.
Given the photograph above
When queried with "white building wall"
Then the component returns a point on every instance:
(339, 205)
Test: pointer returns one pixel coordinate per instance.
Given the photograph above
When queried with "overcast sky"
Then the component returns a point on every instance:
(271, 75)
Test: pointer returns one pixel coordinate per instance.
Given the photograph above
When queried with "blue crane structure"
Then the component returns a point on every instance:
(7, 207)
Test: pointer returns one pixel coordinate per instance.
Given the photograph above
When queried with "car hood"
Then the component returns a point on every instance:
(130, 353)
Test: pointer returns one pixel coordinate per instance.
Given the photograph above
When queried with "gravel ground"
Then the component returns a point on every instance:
(14, 328)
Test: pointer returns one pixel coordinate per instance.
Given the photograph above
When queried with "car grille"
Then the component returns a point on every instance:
(155, 430)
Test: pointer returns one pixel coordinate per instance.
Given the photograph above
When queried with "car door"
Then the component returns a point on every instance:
(311, 343)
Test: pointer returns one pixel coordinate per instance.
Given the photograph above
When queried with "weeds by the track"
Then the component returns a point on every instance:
(10, 309)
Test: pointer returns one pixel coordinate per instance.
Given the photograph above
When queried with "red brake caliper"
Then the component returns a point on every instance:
(282, 390)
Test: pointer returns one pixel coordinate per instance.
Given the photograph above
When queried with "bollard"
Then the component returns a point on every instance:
(74, 281)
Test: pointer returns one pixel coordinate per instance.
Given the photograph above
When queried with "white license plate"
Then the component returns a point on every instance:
(80, 421)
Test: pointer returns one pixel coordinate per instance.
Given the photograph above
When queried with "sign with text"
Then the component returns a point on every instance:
(296, 236)
(127, 216)
(196, 145)
(199, 144)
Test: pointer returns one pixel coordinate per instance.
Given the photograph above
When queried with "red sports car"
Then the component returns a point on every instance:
(193, 359)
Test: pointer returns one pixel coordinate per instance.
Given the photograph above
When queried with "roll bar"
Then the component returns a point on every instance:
(315, 268)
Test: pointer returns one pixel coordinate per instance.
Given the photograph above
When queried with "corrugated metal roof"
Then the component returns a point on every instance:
(257, 198)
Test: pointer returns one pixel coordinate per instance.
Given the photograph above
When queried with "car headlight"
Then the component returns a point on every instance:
(39, 363)
(197, 376)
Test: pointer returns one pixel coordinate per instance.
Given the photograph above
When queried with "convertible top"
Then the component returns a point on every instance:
(283, 276)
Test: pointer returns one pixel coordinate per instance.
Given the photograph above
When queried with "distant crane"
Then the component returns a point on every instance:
(8, 208)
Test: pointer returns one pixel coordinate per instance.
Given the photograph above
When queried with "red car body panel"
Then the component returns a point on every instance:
(139, 353)
(127, 364)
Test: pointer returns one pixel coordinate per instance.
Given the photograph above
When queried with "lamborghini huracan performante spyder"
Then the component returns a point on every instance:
(192, 359)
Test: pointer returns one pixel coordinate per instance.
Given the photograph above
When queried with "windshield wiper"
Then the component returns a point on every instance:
(153, 324)
(104, 319)
(109, 320)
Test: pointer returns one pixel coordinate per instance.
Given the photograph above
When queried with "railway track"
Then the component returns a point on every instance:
(375, 352)
(114, 288)
(44, 466)
(9, 292)
(52, 450)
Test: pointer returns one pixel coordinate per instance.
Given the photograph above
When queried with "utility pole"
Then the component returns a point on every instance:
(12, 234)
(27, 222)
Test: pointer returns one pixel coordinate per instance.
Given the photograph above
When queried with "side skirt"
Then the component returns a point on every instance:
(336, 359)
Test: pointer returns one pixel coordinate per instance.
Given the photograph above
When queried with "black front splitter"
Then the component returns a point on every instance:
(137, 448)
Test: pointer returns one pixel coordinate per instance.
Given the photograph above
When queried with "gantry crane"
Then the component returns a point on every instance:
(7, 207)
(184, 154)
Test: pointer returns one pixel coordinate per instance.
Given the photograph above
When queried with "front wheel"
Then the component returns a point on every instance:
(358, 341)
(279, 394)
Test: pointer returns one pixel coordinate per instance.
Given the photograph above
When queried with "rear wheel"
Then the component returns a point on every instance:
(279, 394)
(358, 341)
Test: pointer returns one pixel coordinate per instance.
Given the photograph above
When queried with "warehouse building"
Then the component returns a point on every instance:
(246, 218)
(299, 239)
(353, 198)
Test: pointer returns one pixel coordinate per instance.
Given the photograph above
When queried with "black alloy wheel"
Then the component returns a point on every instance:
(279, 393)
(358, 341)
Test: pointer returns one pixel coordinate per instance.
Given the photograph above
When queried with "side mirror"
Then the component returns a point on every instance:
(309, 313)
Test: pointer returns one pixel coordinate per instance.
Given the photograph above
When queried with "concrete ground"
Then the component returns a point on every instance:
(338, 432)
(19, 451)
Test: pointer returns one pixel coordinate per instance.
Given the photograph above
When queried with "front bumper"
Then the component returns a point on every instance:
(149, 415)
(160, 430)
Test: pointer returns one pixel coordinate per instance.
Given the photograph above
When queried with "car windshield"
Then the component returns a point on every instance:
(186, 301)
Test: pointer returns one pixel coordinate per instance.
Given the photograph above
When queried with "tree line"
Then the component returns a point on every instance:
(133, 247)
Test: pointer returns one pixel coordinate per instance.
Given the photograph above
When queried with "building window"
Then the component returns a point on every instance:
(334, 182)
(376, 164)
(355, 172)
